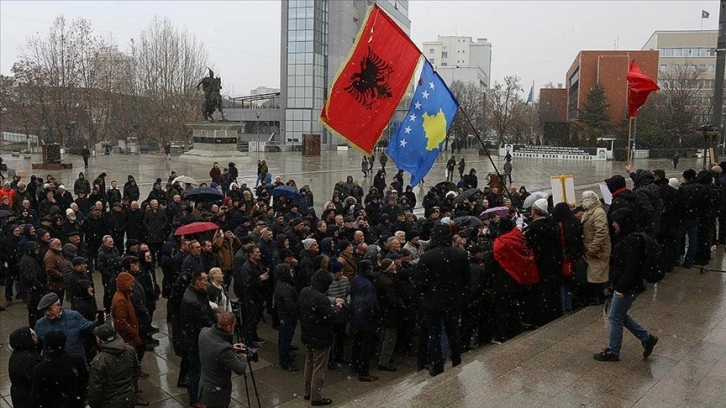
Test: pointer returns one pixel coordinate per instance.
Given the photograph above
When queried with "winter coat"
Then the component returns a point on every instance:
(83, 302)
(317, 315)
(25, 356)
(197, 313)
(32, 275)
(72, 324)
(349, 266)
(646, 190)
(108, 263)
(122, 309)
(692, 201)
(134, 224)
(543, 236)
(443, 275)
(59, 381)
(154, 223)
(113, 373)
(253, 285)
(225, 250)
(626, 256)
(364, 302)
(286, 295)
(596, 237)
(53, 263)
(218, 361)
(388, 300)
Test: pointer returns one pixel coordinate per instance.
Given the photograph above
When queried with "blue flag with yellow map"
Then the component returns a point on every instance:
(418, 140)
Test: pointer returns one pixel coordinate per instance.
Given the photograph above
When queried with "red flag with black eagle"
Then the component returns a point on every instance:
(639, 87)
(372, 82)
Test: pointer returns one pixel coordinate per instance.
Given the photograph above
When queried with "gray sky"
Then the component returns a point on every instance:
(535, 40)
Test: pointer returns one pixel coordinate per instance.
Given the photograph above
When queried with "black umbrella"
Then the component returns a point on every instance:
(205, 194)
(288, 191)
(468, 221)
(447, 186)
(466, 195)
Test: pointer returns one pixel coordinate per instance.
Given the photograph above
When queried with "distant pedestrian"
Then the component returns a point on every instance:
(384, 160)
(450, 166)
(508, 170)
(85, 153)
(462, 167)
(167, 151)
(364, 167)
(676, 157)
(371, 162)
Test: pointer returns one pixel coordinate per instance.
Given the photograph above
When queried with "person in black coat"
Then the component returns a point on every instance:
(25, 356)
(317, 319)
(286, 299)
(364, 324)
(60, 380)
(197, 313)
(626, 282)
(543, 236)
(33, 278)
(443, 278)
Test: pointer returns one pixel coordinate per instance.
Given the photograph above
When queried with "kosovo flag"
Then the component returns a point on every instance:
(418, 140)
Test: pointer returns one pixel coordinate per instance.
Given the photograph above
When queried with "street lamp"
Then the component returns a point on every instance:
(708, 131)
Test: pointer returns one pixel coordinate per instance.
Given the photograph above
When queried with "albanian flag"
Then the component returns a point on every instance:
(639, 87)
(372, 82)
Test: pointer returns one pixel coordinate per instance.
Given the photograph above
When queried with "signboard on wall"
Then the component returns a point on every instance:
(554, 152)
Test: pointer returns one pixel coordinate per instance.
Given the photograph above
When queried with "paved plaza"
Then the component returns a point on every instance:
(549, 367)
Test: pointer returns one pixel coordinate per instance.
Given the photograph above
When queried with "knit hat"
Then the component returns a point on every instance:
(105, 332)
(541, 204)
(615, 182)
(673, 182)
(335, 266)
(285, 253)
(69, 211)
(343, 245)
(308, 242)
(689, 174)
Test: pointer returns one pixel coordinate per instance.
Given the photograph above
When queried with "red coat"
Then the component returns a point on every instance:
(124, 316)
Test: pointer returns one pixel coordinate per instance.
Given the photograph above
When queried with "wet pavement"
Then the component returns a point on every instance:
(549, 367)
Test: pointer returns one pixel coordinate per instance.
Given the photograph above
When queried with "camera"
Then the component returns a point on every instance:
(252, 353)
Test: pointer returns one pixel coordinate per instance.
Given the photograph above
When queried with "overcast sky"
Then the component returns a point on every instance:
(535, 40)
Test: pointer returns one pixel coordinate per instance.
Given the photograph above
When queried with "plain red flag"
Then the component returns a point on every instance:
(639, 87)
(372, 82)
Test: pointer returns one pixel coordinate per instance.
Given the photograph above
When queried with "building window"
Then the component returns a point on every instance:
(662, 68)
(444, 54)
(431, 51)
(432, 60)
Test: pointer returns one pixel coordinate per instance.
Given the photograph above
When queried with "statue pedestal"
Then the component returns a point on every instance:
(215, 141)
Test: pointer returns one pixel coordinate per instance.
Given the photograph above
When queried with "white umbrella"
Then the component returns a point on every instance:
(185, 180)
(529, 201)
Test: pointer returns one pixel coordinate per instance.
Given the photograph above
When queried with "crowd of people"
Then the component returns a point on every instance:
(364, 267)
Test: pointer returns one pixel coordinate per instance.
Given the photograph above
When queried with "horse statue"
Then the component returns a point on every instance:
(212, 97)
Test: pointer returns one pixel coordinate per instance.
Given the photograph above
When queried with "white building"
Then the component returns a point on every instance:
(460, 58)
(687, 58)
(262, 90)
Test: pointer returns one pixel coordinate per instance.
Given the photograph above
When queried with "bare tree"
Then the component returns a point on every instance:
(471, 101)
(168, 64)
(672, 114)
(503, 100)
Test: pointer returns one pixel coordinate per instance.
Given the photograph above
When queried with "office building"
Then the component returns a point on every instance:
(317, 36)
(610, 68)
(460, 58)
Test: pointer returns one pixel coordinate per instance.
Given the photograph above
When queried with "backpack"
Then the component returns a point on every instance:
(652, 265)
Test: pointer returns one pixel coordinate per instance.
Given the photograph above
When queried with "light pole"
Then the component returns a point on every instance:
(708, 132)
(257, 131)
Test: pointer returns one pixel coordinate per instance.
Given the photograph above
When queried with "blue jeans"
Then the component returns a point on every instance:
(691, 229)
(285, 335)
(619, 317)
(566, 297)
(449, 319)
(194, 374)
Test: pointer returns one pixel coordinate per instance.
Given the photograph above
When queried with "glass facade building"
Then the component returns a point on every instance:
(317, 36)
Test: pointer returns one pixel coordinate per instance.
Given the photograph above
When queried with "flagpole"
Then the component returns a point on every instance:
(486, 150)
(630, 135)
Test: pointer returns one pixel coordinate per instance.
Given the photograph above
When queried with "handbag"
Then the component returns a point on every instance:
(568, 267)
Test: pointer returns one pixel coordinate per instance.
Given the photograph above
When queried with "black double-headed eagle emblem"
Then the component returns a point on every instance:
(371, 83)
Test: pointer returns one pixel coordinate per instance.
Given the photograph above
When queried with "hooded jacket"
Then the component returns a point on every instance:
(317, 315)
(122, 309)
(363, 299)
(113, 373)
(32, 275)
(53, 264)
(648, 197)
(627, 254)
(25, 356)
(443, 275)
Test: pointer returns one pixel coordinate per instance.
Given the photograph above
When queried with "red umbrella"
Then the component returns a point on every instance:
(196, 227)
